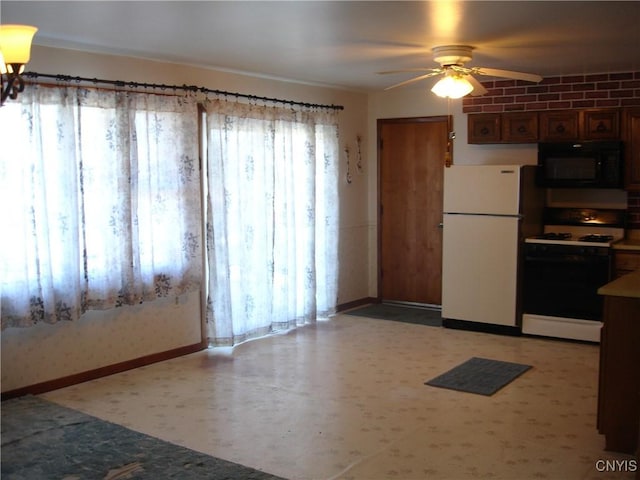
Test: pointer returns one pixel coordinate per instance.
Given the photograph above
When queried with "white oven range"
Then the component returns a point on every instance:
(563, 269)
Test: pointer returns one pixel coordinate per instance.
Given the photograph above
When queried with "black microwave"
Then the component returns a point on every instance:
(593, 164)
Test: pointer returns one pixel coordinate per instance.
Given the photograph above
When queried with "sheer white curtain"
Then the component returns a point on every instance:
(272, 219)
(100, 195)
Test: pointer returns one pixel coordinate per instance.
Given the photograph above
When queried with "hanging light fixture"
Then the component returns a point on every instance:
(452, 85)
(15, 51)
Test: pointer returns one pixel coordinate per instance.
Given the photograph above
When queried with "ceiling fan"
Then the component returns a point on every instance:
(458, 80)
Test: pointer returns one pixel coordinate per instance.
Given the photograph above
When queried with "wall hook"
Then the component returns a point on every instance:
(359, 163)
(346, 152)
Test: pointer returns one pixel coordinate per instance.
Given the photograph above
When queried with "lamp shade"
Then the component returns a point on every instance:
(452, 86)
(15, 43)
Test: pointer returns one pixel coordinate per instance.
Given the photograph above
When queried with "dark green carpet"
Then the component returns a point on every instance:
(43, 441)
(479, 375)
(400, 313)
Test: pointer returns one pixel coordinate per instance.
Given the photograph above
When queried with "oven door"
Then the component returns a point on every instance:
(563, 281)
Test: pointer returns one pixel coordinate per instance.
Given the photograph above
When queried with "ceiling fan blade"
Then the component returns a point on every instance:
(412, 80)
(494, 72)
(407, 70)
(478, 88)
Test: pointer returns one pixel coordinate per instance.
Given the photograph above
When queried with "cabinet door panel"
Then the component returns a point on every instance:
(520, 127)
(559, 126)
(483, 128)
(601, 125)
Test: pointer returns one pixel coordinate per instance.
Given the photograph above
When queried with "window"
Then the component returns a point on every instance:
(272, 216)
(101, 199)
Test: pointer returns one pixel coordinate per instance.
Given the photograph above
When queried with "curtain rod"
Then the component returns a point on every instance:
(185, 88)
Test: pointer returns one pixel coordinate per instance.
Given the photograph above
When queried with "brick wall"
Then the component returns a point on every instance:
(605, 90)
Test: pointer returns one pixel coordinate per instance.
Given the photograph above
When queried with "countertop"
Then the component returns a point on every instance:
(625, 286)
(628, 244)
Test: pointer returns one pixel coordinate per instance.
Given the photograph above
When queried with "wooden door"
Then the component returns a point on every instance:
(411, 155)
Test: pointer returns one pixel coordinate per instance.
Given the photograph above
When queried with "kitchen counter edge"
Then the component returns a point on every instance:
(627, 244)
(626, 286)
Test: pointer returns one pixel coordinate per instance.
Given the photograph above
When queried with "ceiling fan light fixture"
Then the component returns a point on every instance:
(459, 80)
(452, 85)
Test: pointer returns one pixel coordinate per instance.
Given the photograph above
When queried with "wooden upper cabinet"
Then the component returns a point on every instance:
(520, 127)
(601, 125)
(631, 137)
(545, 126)
(559, 126)
(483, 128)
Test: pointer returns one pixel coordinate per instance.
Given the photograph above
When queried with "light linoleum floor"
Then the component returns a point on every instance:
(345, 399)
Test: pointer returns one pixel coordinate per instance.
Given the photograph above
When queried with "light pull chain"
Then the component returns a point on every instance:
(448, 161)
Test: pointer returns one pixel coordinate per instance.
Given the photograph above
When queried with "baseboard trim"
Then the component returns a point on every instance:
(356, 303)
(50, 385)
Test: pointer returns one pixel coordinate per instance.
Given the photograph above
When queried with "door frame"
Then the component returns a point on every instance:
(448, 161)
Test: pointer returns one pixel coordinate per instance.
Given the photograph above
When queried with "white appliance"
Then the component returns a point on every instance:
(564, 267)
(488, 211)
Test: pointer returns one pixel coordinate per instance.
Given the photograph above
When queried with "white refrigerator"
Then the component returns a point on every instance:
(488, 211)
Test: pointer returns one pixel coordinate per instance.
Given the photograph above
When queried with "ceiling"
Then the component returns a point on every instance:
(345, 43)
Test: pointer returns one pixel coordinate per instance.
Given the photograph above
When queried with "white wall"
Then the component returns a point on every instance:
(99, 339)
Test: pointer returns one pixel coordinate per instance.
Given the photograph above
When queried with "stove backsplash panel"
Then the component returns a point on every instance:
(599, 198)
(587, 198)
